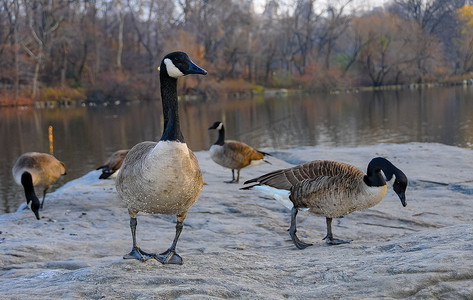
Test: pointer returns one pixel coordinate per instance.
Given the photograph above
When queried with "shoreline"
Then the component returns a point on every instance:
(235, 243)
(257, 91)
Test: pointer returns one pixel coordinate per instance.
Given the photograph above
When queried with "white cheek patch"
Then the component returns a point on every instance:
(386, 178)
(220, 126)
(384, 175)
(173, 71)
(392, 180)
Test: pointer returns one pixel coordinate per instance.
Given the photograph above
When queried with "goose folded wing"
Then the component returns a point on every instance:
(236, 150)
(117, 160)
(306, 191)
(287, 178)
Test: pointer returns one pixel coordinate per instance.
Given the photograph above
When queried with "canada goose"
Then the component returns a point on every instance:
(330, 189)
(233, 154)
(162, 177)
(33, 169)
(113, 164)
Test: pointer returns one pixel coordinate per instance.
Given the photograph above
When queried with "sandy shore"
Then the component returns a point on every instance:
(235, 243)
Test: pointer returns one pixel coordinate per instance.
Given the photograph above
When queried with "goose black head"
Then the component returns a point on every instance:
(35, 207)
(392, 175)
(217, 125)
(177, 64)
(400, 185)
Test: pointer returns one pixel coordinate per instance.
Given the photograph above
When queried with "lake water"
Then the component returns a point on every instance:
(85, 136)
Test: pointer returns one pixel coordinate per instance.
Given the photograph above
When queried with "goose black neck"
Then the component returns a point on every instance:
(27, 183)
(373, 175)
(221, 136)
(172, 129)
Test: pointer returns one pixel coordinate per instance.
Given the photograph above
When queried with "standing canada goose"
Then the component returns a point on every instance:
(162, 177)
(113, 164)
(233, 154)
(330, 189)
(33, 169)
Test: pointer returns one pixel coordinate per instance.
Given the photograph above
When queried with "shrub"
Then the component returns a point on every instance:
(63, 93)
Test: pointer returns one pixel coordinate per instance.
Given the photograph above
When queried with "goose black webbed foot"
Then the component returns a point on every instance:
(329, 237)
(231, 181)
(137, 253)
(169, 257)
(332, 241)
(299, 244)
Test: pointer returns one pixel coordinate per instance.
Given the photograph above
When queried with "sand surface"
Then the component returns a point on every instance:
(235, 244)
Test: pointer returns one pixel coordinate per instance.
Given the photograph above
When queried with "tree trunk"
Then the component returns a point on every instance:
(17, 46)
(64, 66)
(121, 17)
(34, 92)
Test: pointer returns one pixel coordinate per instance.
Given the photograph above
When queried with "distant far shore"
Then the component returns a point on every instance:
(79, 98)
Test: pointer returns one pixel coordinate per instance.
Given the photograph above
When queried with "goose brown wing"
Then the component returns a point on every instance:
(304, 192)
(116, 160)
(288, 178)
(241, 152)
(49, 166)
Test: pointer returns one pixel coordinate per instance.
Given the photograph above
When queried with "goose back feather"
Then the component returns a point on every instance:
(44, 168)
(234, 155)
(113, 164)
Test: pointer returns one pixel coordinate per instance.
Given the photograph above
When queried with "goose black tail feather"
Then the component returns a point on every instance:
(264, 153)
(251, 180)
(250, 186)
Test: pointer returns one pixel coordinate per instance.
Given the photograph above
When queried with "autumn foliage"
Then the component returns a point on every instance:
(110, 50)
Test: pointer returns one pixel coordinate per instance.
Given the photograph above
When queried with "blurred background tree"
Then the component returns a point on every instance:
(108, 50)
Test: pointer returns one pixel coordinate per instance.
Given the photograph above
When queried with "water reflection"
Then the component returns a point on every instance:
(85, 136)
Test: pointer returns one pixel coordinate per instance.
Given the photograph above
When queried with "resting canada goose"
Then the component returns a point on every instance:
(162, 177)
(113, 164)
(330, 189)
(233, 154)
(33, 169)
